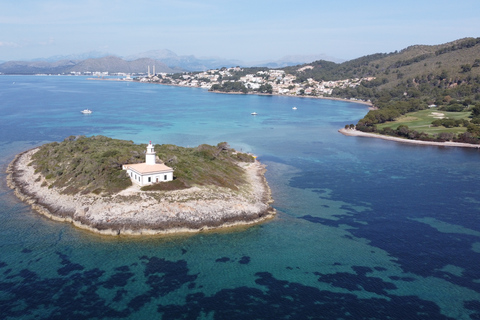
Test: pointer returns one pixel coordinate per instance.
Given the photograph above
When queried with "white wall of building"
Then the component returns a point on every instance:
(148, 179)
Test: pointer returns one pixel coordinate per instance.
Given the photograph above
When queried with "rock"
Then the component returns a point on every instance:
(189, 210)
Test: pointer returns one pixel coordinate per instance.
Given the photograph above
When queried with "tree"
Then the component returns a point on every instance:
(443, 75)
(402, 130)
(445, 136)
(474, 130)
(230, 86)
(266, 88)
(466, 68)
(476, 111)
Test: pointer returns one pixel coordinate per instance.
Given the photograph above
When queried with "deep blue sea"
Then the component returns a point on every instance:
(366, 228)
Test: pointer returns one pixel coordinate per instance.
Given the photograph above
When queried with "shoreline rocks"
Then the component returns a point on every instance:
(135, 212)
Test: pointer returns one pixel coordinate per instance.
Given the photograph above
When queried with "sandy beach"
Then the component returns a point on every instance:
(136, 212)
(356, 133)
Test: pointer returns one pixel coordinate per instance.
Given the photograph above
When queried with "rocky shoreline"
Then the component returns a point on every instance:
(135, 212)
(357, 133)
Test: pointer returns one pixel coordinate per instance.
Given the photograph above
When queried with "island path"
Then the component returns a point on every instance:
(136, 212)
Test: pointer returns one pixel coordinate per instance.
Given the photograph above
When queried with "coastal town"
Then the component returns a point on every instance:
(270, 81)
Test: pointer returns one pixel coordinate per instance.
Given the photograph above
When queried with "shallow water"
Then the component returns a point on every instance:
(365, 228)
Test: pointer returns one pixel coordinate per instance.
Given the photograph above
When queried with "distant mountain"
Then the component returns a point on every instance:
(35, 67)
(189, 63)
(115, 64)
(165, 61)
(81, 56)
(111, 64)
(163, 54)
(293, 60)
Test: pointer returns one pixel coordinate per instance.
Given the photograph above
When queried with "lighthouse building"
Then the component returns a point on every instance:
(149, 172)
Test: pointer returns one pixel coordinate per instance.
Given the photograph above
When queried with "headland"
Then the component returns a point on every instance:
(136, 212)
(357, 133)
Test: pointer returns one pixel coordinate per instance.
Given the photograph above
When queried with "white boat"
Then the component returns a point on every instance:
(294, 108)
(254, 113)
(86, 111)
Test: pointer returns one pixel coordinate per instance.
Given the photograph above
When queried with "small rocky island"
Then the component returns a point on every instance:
(86, 181)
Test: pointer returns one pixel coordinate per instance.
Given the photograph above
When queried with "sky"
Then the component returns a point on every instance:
(245, 30)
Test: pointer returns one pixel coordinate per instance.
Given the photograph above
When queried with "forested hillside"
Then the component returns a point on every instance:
(416, 78)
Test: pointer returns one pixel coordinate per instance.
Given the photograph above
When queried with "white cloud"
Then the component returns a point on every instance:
(49, 42)
(9, 44)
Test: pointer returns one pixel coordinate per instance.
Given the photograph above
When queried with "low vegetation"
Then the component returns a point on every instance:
(82, 164)
(202, 165)
(430, 125)
(234, 86)
(415, 79)
(431, 121)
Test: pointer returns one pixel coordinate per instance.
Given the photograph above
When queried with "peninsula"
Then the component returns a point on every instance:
(81, 181)
(356, 133)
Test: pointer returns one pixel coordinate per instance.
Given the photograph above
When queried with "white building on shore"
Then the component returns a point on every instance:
(149, 172)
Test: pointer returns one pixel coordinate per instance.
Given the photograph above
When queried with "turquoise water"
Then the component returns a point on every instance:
(366, 229)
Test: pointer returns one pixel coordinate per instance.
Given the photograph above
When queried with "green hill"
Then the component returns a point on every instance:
(94, 165)
(446, 75)
(397, 67)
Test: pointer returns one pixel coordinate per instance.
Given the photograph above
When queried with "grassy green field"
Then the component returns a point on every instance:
(421, 121)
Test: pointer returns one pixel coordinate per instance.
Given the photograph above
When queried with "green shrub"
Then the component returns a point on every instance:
(94, 165)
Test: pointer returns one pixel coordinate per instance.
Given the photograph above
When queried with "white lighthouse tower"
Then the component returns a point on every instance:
(150, 155)
(149, 172)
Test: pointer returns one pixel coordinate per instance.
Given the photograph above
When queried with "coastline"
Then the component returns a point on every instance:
(133, 212)
(356, 133)
(367, 103)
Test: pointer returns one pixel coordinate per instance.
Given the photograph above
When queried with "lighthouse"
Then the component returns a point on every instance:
(149, 172)
(150, 155)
